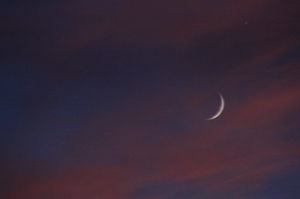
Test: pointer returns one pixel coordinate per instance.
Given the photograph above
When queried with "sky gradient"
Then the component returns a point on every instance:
(109, 99)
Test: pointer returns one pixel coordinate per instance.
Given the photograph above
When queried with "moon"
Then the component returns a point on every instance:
(221, 108)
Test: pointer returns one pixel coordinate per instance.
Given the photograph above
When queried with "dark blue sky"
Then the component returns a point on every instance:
(109, 99)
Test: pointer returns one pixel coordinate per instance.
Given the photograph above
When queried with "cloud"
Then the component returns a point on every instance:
(121, 93)
(240, 151)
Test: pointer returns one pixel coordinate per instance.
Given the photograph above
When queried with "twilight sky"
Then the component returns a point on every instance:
(109, 99)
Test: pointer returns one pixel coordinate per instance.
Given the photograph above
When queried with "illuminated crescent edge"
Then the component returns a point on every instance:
(221, 108)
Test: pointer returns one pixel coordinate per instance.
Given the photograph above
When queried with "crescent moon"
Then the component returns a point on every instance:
(221, 108)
